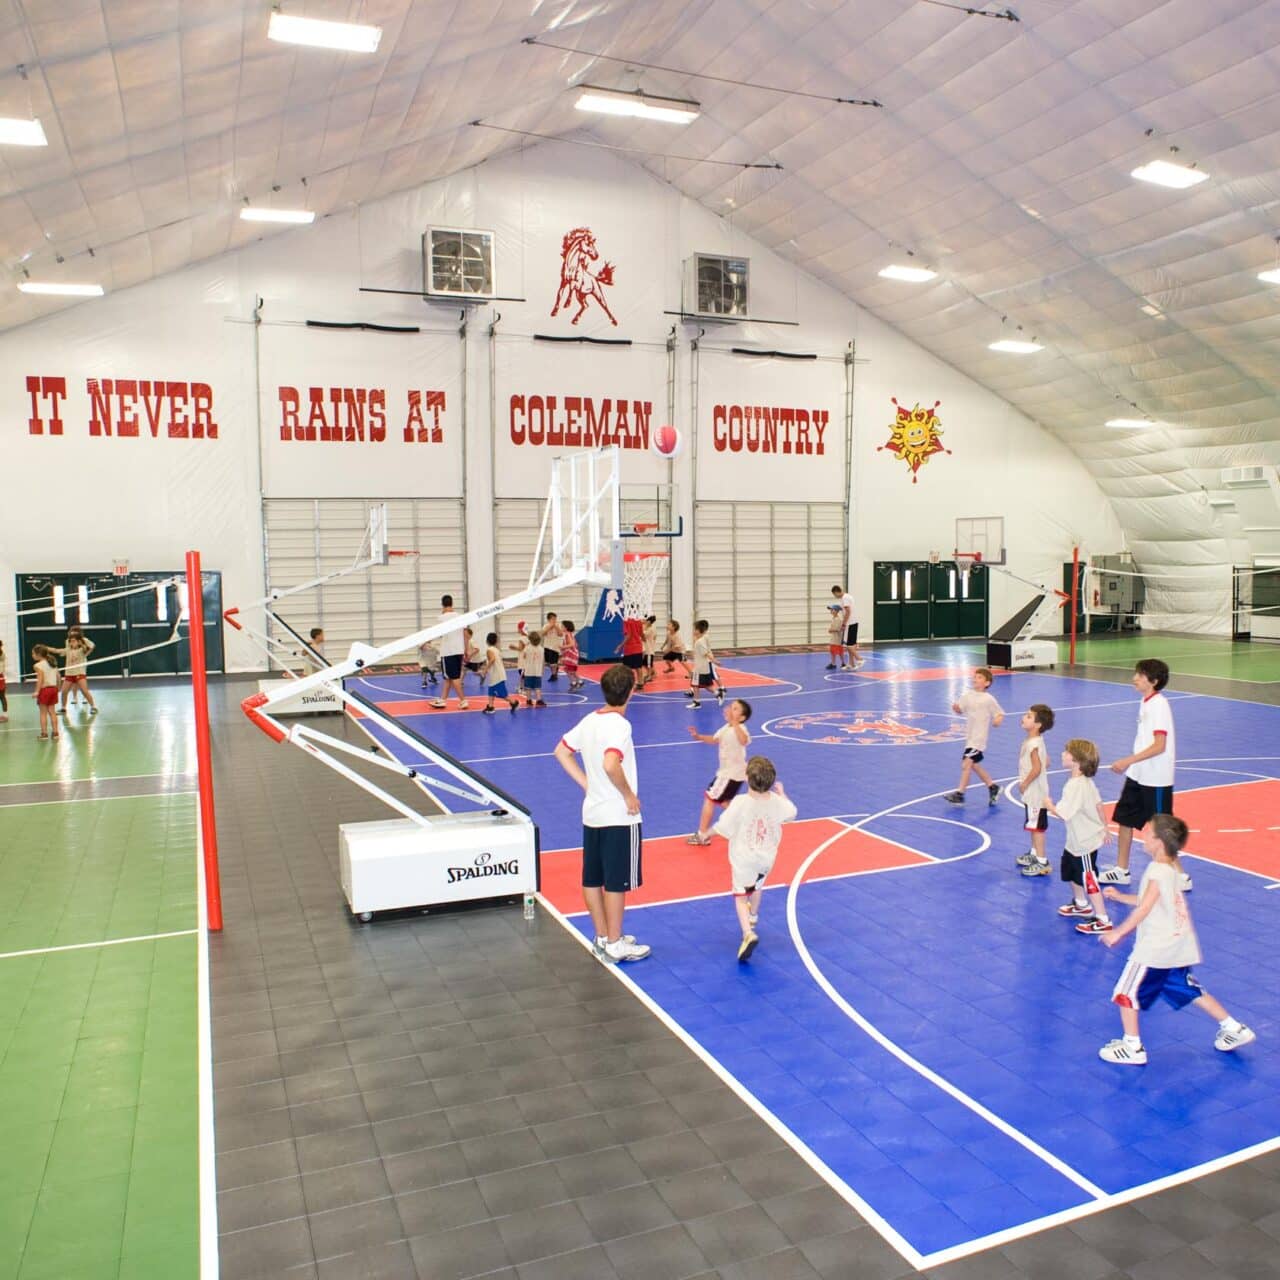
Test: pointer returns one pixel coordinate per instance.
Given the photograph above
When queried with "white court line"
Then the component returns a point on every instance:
(892, 1047)
(87, 946)
(207, 1170)
(824, 1171)
(94, 777)
(133, 795)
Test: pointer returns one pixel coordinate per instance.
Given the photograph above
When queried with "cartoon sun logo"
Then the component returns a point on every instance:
(914, 435)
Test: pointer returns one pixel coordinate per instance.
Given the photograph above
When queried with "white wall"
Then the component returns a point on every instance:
(74, 501)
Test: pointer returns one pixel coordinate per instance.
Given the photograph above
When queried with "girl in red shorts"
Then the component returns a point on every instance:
(75, 675)
(46, 694)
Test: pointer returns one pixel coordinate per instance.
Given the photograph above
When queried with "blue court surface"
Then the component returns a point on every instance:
(917, 1020)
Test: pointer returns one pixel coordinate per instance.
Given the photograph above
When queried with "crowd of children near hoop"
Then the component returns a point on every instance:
(71, 682)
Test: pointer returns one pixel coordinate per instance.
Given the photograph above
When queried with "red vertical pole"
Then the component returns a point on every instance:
(1075, 598)
(204, 758)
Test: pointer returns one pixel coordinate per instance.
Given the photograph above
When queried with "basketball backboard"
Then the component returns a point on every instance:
(981, 535)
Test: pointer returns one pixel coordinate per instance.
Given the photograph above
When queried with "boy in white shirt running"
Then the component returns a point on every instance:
(980, 711)
(703, 675)
(1166, 948)
(1148, 771)
(611, 837)
(752, 824)
(731, 772)
(1033, 786)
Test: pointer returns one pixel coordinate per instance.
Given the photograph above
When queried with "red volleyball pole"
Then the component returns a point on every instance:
(1075, 598)
(204, 757)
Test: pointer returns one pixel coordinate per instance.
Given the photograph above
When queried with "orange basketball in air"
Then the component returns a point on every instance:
(666, 441)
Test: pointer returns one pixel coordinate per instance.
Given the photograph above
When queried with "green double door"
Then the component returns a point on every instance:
(131, 633)
(916, 600)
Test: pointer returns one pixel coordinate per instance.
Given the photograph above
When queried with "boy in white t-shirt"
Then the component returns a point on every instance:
(731, 772)
(704, 674)
(1166, 948)
(1033, 786)
(1087, 831)
(752, 824)
(980, 711)
(611, 837)
(1148, 781)
(849, 628)
(452, 648)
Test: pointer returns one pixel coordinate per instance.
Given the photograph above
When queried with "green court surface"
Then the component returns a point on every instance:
(99, 1105)
(1207, 656)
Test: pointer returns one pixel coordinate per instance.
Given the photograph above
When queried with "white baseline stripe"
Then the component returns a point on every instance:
(207, 1169)
(901, 1054)
(133, 795)
(828, 1175)
(106, 942)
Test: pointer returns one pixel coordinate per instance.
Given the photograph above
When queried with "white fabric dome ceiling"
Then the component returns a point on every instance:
(1001, 157)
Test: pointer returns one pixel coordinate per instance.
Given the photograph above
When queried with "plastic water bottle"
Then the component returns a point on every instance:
(529, 906)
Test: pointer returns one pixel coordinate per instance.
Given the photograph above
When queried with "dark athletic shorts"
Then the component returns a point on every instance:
(973, 754)
(851, 634)
(1038, 821)
(451, 664)
(1138, 804)
(1141, 985)
(1081, 870)
(635, 661)
(611, 858)
(551, 656)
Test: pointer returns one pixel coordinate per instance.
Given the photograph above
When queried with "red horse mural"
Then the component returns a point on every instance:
(577, 280)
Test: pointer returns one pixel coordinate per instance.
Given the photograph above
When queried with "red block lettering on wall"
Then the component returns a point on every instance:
(46, 393)
(416, 429)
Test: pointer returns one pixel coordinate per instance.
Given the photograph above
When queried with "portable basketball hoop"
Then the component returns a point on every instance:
(643, 560)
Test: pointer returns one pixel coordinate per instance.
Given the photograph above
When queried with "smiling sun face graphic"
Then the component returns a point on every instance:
(915, 436)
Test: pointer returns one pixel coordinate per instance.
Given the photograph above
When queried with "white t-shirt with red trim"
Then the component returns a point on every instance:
(594, 738)
(1155, 716)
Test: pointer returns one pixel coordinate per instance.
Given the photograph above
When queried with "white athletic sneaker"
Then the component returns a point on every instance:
(1184, 882)
(622, 951)
(1114, 875)
(1228, 1040)
(1118, 1051)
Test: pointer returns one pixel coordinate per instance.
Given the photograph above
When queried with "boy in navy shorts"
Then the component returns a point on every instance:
(1160, 964)
(611, 837)
(1148, 771)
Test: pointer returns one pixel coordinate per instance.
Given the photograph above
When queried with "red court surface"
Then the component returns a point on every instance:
(675, 871)
(1229, 824)
(677, 681)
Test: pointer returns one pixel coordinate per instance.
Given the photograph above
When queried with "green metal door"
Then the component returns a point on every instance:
(915, 599)
(887, 607)
(974, 602)
(151, 616)
(65, 600)
(944, 601)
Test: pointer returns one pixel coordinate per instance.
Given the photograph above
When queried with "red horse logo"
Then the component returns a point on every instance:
(577, 281)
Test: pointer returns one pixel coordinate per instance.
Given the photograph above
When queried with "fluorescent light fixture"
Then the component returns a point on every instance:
(1164, 173)
(637, 103)
(1270, 277)
(22, 133)
(351, 37)
(1131, 424)
(913, 275)
(251, 214)
(61, 290)
(1154, 312)
(1015, 346)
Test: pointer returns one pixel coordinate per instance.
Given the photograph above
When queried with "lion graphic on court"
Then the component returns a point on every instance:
(578, 282)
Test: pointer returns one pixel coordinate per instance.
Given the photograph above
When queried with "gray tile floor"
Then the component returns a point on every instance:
(470, 1094)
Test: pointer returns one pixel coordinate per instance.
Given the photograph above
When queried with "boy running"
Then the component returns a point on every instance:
(980, 711)
(752, 824)
(1166, 948)
(703, 675)
(1148, 781)
(732, 739)
(494, 674)
(611, 836)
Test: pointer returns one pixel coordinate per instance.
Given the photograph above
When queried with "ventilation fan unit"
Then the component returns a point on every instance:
(1247, 477)
(718, 287)
(458, 263)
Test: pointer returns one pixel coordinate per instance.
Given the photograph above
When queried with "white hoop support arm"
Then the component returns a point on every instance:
(74, 603)
(1064, 597)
